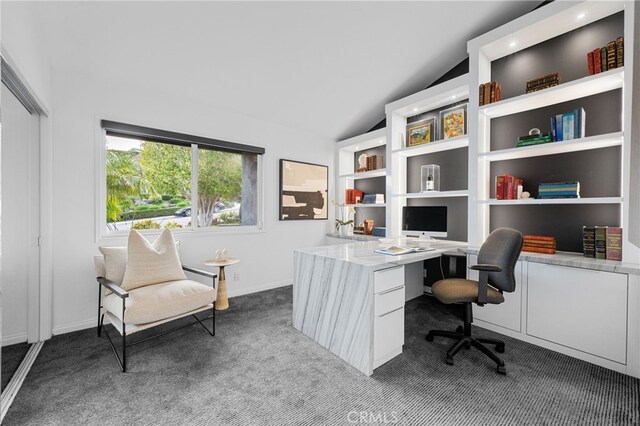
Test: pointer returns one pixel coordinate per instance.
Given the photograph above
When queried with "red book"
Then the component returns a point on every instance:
(538, 249)
(539, 238)
(511, 187)
(500, 185)
(590, 63)
(614, 243)
(493, 92)
(597, 63)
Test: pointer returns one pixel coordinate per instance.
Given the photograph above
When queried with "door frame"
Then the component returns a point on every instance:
(39, 308)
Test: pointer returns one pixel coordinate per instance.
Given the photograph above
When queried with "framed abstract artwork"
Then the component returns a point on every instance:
(304, 189)
(453, 121)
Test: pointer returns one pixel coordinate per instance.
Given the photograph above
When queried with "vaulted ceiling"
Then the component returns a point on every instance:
(324, 67)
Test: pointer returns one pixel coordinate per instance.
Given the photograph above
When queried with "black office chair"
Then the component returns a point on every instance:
(496, 262)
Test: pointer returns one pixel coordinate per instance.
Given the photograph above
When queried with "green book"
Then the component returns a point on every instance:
(601, 242)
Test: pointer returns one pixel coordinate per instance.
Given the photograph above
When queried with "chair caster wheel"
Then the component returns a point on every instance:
(501, 370)
(459, 329)
(500, 349)
(449, 360)
(429, 338)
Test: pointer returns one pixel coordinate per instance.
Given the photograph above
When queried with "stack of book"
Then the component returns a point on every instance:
(602, 242)
(534, 139)
(490, 92)
(607, 57)
(559, 190)
(508, 187)
(353, 196)
(543, 82)
(539, 244)
(570, 125)
(373, 199)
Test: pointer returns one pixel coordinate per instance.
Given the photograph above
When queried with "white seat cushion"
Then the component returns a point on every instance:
(159, 301)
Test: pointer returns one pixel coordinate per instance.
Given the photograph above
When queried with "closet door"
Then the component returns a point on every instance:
(19, 229)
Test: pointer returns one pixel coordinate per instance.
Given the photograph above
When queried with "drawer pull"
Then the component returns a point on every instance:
(395, 310)
(390, 290)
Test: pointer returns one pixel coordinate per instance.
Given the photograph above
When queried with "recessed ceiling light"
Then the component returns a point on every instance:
(453, 96)
(357, 147)
(415, 109)
(581, 16)
(381, 142)
(512, 44)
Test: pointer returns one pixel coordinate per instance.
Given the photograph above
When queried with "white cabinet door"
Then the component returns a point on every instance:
(582, 309)
(507, 314)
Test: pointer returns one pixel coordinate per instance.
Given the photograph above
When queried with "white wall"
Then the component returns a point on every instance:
(79, 105)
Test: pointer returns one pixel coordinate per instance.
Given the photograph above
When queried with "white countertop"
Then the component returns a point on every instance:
(362, 253)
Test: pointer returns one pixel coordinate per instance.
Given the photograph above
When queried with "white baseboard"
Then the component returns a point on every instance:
(256, 288)
(80, 325)
(93, 322)
(13, 339)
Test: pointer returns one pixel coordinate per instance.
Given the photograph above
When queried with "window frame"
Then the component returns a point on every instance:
(103, 233)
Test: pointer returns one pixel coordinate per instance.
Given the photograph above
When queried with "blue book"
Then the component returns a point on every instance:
(559, 127)
(567, 126)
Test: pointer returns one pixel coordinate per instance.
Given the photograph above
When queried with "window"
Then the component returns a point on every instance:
(156, 179)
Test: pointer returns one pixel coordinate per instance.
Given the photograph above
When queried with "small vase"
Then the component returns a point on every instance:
(345, 230)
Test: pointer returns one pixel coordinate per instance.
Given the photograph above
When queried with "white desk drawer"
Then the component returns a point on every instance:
(388, 279)
(388, 333)
(389, 300)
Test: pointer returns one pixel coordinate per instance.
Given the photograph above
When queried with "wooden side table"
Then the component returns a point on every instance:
(222, 299)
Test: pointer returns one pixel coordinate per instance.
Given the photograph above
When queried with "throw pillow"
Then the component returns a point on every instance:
(115, 263)
(149, 264)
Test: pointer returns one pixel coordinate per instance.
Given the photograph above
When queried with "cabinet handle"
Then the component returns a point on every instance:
(391, 289)
(390, 312)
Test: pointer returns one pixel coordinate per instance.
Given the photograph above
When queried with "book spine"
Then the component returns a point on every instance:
(554, 136)
(588, 241)
(498, 92)
(590, 63)
(493, 92)
(538, 250)
(603, 59)
(567, 126)
(559, 127)
(611, 55)
(481, 94)
(500, 187)
(614, 243)
(509, 189)
(539, 237)
(601, 242)
(597, 66)
(620, 52)
(487, 93)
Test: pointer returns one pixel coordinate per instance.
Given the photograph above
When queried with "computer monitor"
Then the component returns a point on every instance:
(424, 221)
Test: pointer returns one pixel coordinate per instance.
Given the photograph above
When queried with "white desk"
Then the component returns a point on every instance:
(351, 300)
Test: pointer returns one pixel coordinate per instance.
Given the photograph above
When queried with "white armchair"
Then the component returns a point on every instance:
(144, 285)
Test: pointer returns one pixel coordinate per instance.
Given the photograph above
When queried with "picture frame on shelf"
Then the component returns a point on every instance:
(421, 132)
(453, 121)
(304, 189)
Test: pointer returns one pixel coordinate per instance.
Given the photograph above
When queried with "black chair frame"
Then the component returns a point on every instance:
(463, 333)
(123, 295)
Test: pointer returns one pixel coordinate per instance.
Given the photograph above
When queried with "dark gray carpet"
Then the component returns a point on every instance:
(258, 370)
(12, 356)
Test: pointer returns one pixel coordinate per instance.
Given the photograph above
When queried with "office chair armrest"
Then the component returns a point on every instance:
(486, 267)
(115, 288)
(203, 273)
(483, 280)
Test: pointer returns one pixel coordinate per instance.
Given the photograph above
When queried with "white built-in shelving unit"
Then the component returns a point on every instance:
(346, 176)
(431, 99)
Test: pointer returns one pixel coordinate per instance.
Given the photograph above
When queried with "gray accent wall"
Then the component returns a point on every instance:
(566, 54)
